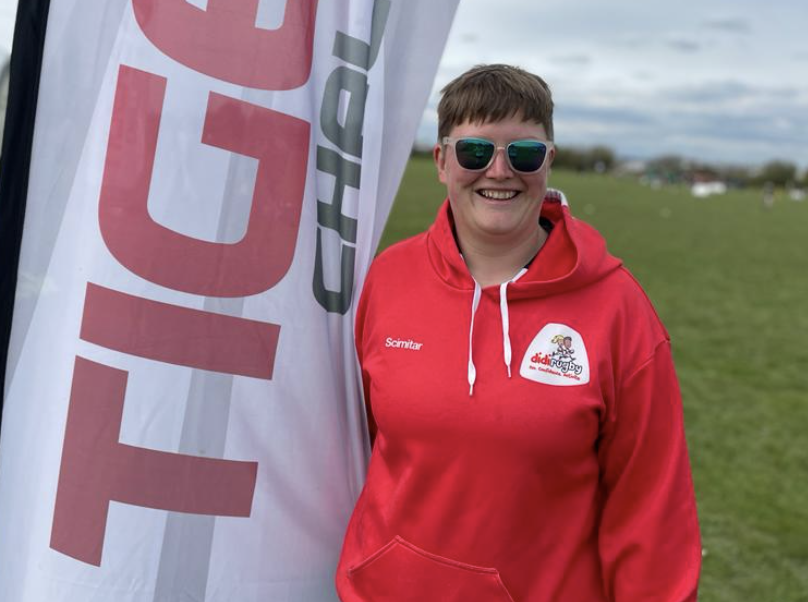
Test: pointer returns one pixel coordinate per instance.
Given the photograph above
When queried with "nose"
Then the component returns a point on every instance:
(500, 168)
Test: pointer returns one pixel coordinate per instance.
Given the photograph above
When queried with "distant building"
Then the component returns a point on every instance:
(703, 190)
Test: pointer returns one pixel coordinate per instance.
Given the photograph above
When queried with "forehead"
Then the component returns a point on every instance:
(512, 128)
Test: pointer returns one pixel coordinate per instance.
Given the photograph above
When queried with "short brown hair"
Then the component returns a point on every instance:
(490, 93)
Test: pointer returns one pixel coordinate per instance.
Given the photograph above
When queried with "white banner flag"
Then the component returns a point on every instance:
(208, 183)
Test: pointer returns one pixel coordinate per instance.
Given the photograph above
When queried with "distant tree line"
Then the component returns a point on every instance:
(597, 158)
(781, 173)
(673, 168)
(676, 169)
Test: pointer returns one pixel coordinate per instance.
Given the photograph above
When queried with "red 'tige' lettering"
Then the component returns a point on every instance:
(178, 335)
(224, 42)
(97, 469)
(250, 266)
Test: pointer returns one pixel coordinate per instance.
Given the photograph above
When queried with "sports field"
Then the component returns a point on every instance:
(730, 280)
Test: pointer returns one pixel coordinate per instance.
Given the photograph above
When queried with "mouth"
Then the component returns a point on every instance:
(497, 195)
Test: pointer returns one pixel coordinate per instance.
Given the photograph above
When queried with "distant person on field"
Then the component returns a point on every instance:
(768, 195)
(500, 473)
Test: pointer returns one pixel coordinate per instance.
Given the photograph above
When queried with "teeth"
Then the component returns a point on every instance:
(499, 195)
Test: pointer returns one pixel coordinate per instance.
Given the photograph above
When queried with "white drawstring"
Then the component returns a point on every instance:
(506, 338)
(503, 311)
(472, 373)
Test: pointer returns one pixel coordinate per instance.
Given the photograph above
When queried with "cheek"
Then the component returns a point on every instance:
(537, 182)
(460, 178)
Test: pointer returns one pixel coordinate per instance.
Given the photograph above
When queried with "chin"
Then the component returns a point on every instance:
(495, 228)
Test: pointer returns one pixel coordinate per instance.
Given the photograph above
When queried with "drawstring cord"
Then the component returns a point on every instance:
(475, 303)
(506, 338)
(503, 311)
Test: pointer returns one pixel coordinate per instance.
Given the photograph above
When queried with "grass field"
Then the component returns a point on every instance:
(730, 281)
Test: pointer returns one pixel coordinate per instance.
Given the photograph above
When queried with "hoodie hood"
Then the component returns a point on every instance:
(573, 256)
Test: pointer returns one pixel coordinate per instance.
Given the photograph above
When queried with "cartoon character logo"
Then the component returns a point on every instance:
(564, 350)
(561, 360)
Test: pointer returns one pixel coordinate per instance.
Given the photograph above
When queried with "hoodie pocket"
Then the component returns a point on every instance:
(402, 572)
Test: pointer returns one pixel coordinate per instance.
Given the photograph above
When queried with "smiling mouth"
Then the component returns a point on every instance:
(498, 195)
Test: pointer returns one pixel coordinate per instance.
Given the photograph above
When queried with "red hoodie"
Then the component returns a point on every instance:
(565, 481)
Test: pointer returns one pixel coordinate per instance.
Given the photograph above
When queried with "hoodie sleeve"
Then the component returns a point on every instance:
(648, 536)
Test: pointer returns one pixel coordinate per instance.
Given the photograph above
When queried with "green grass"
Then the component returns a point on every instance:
(730, 281)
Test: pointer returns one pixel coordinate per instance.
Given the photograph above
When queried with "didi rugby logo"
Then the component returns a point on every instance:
(557, 356)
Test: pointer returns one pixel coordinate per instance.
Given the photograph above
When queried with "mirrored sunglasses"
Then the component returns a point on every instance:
(477, 154)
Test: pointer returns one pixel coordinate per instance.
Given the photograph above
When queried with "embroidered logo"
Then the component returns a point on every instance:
(557, 356)
(402, 344)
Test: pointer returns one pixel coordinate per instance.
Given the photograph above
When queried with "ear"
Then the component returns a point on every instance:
(550, 158)
(439, 155)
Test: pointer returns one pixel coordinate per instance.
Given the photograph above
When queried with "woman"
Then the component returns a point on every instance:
(528, 427)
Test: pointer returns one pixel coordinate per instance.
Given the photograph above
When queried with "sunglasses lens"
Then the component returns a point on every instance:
(527, 155)
(474, 153)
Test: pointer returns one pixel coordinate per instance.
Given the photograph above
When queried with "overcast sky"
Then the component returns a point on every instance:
(7, 10)
(718, 80)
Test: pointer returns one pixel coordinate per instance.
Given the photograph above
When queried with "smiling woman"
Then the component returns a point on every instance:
(560, 475)
(496, 207)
